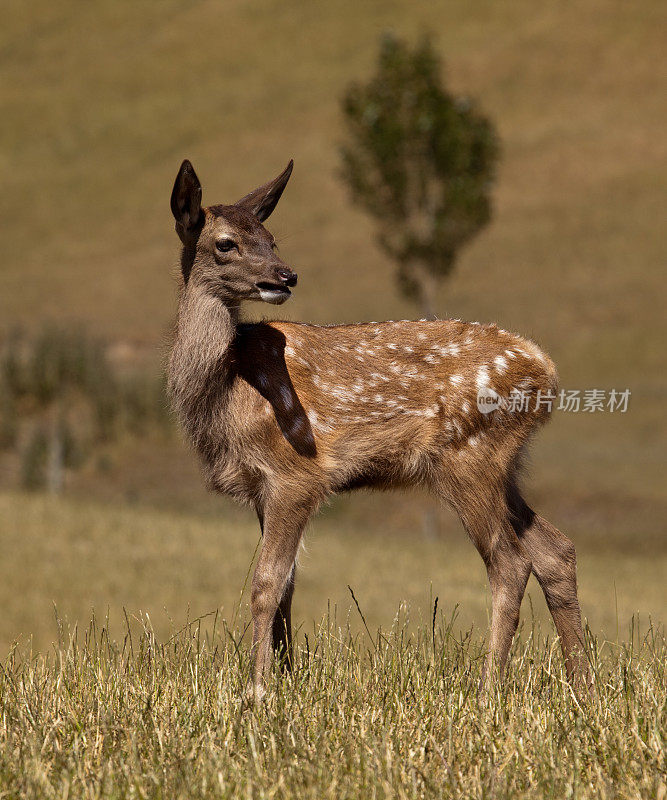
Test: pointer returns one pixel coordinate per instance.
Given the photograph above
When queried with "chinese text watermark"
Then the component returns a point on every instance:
(588, 401)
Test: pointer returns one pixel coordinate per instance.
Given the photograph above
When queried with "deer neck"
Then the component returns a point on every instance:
(201, 359)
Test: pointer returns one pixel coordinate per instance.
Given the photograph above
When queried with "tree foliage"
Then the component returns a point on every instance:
(421, 160)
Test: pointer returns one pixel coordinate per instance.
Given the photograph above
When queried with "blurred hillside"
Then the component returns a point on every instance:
(101, 101)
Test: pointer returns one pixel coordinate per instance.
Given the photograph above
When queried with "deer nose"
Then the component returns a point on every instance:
(288, 277)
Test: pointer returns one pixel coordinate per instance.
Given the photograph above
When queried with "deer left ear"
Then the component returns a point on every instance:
(186, 197)
(264, 199)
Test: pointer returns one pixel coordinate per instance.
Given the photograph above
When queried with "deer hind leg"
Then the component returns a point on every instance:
(555, 567)
(282, 624)
(508, 565)
(283, 525)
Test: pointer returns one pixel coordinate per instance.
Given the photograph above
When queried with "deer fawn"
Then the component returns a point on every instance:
(284, 414)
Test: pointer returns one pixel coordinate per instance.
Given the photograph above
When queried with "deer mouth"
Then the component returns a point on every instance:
(275, 293)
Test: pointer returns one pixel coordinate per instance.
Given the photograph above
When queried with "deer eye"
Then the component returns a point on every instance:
(225, 245)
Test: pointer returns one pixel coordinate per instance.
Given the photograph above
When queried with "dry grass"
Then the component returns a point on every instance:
(143, 704)
(396, 715)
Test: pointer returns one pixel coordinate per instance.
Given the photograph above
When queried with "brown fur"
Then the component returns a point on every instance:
(285, 414)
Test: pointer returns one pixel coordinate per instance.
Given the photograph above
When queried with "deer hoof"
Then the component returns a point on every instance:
(254, 694)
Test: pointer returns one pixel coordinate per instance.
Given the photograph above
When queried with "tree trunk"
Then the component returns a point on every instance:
(427, 286)
(54, 474)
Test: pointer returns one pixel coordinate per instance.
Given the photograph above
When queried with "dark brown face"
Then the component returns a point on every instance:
(236, 258)
(226, 248)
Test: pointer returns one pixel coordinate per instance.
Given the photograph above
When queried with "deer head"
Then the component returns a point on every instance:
(226, 249)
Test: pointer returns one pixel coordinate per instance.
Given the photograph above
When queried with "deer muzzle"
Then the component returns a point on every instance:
(277, 291)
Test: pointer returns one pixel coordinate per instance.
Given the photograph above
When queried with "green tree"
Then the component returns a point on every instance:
(421, 161)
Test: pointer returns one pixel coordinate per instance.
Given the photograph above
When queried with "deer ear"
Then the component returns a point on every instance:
(186, 197)
(264, 199)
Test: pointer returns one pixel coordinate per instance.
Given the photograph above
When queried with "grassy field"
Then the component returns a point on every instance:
(386, 715)
(144, 701)
(71, 559)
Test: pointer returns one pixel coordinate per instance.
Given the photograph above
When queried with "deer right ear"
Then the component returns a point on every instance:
(263, 200)
(186, 198)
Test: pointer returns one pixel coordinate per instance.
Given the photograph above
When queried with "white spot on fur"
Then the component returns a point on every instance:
(446, 350)
(289, 351)
(501, 364)
(539, 355)
(317, 423)
(510, 353)
(457, 380)
(342, 394)
(482, 378)
(465, 407)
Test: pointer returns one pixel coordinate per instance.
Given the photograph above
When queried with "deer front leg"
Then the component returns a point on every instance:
(272, 586)
(282, 621)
